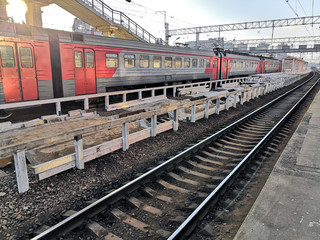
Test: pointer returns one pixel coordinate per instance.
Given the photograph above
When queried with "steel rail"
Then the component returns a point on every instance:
(91, 210)
(190, 223)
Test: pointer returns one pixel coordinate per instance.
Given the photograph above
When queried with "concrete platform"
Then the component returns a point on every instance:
(288, 206)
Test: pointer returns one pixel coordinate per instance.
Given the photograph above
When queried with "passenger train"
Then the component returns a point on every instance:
(37, 63)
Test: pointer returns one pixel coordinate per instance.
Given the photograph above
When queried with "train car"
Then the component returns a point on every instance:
(242, 65)
(37, 63)
(25, 67)
(108, 63)
(271, 65)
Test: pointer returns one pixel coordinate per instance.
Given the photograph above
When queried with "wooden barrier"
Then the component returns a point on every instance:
(81, 155)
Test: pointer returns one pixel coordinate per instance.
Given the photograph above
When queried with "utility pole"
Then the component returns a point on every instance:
(166, 27)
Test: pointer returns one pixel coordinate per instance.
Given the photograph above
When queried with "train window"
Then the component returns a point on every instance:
(7, 56)
(26, 57)
(225, 63)
(207, 63)
(129, 61)
(194, 62)
(178, 62)
(144, 61)
(168, 62)
(214, 63)
(156, 62)
(201, 63)
(187, 62)
(89, 60)
(78, 59)
(111, 60)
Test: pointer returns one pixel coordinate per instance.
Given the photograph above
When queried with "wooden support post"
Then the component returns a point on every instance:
(242, 98)
(106, 102)
(165, 91)
(206, 110)
(235, 100)
(140, 95)
(58, 108)
(20, 164)
(174, 91)
(218, 106)
(78, 145)
(153, 92)
(125, 136)
(193, 113)
(86, 104)
(153, 129)
(227, 102)
(124, 97)
(175, 120)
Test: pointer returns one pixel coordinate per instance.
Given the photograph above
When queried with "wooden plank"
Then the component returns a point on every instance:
(53, 163)
(102, 149)
(5, 161)
(139, 136)
(166, 126)
(135, 102)
(56, 170)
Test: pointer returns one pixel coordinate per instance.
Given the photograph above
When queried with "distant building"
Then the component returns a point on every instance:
(243, 46)
(262, 46)
(82, 27)
(294, 65)
(207, 44)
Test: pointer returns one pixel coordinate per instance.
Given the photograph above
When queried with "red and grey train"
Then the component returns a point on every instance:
(37, 63)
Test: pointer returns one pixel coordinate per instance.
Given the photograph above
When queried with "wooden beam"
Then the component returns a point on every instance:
(20, 164)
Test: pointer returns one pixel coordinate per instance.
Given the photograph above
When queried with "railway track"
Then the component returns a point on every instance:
(168, 201)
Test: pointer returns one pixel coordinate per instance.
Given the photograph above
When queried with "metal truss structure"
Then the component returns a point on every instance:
(288, 50)
(291, 40)
(248, 25)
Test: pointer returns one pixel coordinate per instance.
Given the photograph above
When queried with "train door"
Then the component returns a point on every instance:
(18, 85)
(259, 67)
(85, 74)
(263, 67)
(224, 70)
(215, 69)
(27, 71)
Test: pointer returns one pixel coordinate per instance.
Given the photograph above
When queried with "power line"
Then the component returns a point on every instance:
(297, 14)
(302, 8)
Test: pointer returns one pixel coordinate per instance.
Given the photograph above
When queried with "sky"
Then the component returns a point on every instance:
(191, 13)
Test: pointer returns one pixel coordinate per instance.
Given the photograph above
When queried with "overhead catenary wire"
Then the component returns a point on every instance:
(287, 1)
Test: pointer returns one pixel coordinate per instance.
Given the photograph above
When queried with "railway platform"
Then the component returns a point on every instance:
(288, 205)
